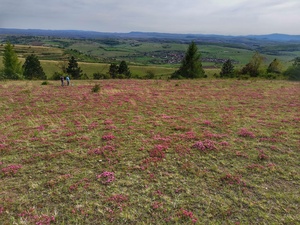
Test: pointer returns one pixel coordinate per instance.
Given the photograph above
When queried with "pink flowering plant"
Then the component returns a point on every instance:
(106, 177)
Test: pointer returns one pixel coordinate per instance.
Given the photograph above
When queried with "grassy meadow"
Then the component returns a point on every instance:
(150, 152)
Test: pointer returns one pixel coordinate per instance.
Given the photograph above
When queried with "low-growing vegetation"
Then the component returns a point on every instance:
(150, 152)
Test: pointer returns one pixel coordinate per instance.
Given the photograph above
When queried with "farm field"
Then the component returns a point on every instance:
(150, 152)
(160, 72)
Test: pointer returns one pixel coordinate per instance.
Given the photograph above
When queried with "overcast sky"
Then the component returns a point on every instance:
(229, 17)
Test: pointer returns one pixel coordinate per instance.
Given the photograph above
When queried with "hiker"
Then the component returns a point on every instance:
(68, 80)
(62, 80)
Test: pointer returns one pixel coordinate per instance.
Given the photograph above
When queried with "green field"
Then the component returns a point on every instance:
(150, 152)
(144, 52)
(160, 56)
(52, 66)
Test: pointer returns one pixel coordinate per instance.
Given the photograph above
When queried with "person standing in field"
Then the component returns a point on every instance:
(68, 80)
(62, 80)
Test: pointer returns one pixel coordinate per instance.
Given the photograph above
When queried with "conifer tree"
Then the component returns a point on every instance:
(12, 65)
(73, 69)
(123, 69)
(113, 70)
(227, 69)
(33, 69)
(191, 66)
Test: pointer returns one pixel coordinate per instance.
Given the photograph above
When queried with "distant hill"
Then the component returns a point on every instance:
(248, 39)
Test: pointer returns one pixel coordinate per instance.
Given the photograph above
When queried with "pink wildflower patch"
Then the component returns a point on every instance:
(245, 133)
(190, 135)
(93, 125)
(156, 205)
(108, 122)
(255, 167)
(102, 150)
(158, 152)
(224, 143)
(106, 177)
(262, 155)
(81, 183)
(31, 217)
(205, 145)
(11, 170)
(207, 123)
(108, 137)
(185, 214)
(118, 201)
(233, 179)
(214, 136)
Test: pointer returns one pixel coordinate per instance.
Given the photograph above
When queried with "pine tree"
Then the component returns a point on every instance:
(123, 69)
(73, 69)
(113, 70)
(191, 66)
(12, 65)
(33, 69)
(227, 69)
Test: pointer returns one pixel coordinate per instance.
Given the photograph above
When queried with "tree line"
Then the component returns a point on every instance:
(190, 68)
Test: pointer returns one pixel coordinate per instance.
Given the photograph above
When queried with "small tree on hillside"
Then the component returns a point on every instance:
(275, 67)
(191, 66)
(296, 61)
(73, 69)
(293, 72)
(123, 69)
(113, 70)
(252, 68)
(227, 69)
(12, 65)
(119, 71)
(33, 69)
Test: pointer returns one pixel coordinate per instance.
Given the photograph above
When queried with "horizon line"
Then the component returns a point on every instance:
(148, 32)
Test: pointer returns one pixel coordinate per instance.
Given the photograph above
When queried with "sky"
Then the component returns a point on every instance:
(225, 17)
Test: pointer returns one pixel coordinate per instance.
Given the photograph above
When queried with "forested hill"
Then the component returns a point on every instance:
(152, 35)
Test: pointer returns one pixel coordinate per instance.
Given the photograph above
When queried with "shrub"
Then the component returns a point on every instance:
(98, 76)
(56, 76)
(45, 83)
(293, 73)
(96, 88)
(150, 74)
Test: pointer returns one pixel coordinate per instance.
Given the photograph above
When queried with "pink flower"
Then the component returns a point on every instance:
(205, 145)
(11, 170)
(245, 133)
(106, 177)
(108, 137)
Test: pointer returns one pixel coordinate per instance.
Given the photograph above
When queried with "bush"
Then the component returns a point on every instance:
(45, 83)
(98, 76)
(84, 76)
(96, 88)
(2, 77)
(56, 76)
(293, 73)
(150, 74)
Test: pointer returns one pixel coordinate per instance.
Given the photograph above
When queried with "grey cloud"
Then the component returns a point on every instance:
(190, 16)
